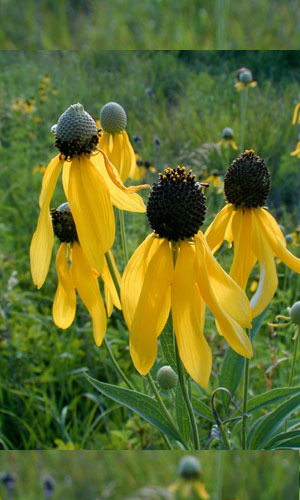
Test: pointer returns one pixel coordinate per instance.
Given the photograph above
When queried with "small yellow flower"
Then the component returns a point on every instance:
(227, 139)
(153, 284)
(39, 169)
(244, 79)
(115, 141)
(79, 276)
(189, 483)
(255, 233)
(37, 119)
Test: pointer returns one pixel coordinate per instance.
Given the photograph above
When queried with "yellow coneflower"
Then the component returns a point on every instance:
(79, 276)
(244, 79)
(174, 269)
(227, 139)
(254, 231)
(115, 141)
(189, 481)
(91, 186)
(40, 169)
(24, 106)
(296, 151)
(214, 179)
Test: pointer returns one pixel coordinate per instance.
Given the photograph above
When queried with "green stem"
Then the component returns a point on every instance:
(123, 236)
(186, 398)
(112, 273)
(245, 404)
(220, 24)
(167, 441)
(116, 365)
(244, 100)
(296, 338)
(164, 408)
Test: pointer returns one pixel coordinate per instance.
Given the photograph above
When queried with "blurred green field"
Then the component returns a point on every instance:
(155, 24)
(115, 475)
(45, 401)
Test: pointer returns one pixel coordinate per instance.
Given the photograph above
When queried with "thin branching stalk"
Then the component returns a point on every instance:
(123, 236)
(245, 404)
(296, 339)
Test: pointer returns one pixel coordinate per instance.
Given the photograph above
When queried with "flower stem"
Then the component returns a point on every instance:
(123, 236)
(220, 24)
(112, 273)
(164, 408)
(186, 398)
(244, 100)
(245, 404)
(296, 338)
(116, 365)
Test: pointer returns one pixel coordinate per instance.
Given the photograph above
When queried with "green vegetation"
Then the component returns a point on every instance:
(45, 400)
(116, 475)
(155, 24)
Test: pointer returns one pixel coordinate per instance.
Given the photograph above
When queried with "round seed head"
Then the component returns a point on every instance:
(176, 205)
(113, 118)
(295, 313)
(227, 133)
(289, 238)
(189, 467)
(76, 132)
(247, 181)
(63, 224)
(166, 377)
(246, 76)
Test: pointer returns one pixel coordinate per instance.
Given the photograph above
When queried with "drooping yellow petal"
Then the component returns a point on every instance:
(201, 490)
(193, 349)
(226, 290)
(226, 325)
(268, 281)
(114, 176)
(295, 114)
(129, 157)
(215, 233)
(275, 238)
(64, 305)
(105, 142)
(65, 177)
(144, 328)
(133, 279)
(42, 240)
(88, 289)
(244, 258)
(122, 199)
(92, 211)
(111, 294)
(118, 156)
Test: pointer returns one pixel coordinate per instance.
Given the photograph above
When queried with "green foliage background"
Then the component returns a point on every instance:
(45, 401)
(159, 24)
(93, 474)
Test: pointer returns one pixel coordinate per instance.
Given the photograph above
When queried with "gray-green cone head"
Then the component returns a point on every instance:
(76, 132)
(246, 76)
(113, 118)
(189, 467)
(63, 223)
(227, 133)
(295, 313)
(167, 377)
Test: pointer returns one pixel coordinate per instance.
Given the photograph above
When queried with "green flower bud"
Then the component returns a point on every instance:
(113, 118)
(295, 313)
(189, 467)
(166, 377)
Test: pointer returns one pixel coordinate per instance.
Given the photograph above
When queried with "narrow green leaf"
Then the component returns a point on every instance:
(267, 425)
(182, 415)
(285, 438)
(167, 344)
(141, 404)
(202, 409)
(233, 365)
(270, 397)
